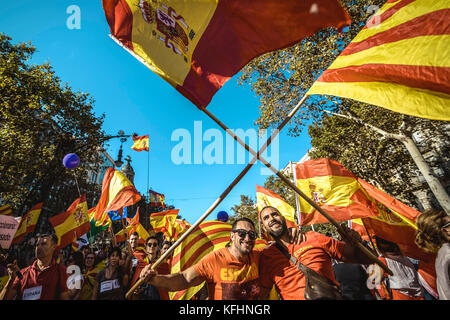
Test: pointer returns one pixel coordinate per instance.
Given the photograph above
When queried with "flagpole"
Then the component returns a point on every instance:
(148, 186)
(223, 195)
(257, 155)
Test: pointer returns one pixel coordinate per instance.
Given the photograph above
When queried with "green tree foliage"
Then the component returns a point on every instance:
(41, 120)
(246, 209)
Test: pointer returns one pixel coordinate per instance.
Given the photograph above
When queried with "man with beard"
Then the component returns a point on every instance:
(43, 280)
(316, 252)
(231, 272)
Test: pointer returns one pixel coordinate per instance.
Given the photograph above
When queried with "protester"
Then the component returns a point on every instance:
(433, 235)
(139, 253)
(76, 280)
(165, 246)
(231, 272)
(43, 280)
(404, 283)
(111, 283)
(92, 267)
(316, 252)
(353, 281)
(148, 291)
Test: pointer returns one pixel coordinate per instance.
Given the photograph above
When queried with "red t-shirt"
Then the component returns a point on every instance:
(228, 278)
(162, 268)
(316, 253)
(47, 284)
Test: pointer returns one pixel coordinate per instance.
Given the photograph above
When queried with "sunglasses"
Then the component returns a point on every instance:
(153, 244)
(242, 233)
(446, 225)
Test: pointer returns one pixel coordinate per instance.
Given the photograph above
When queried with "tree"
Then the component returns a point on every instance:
(41, 120)
(246, 209)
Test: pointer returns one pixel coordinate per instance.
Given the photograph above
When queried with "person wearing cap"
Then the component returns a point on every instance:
(43, 280)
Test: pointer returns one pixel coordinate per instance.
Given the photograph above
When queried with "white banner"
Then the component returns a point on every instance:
(8, 227)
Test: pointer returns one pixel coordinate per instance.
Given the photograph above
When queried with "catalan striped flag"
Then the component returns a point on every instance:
(6, 210)
(28, 222)
(73, 223)
(399, 61)
(140, 143)
(207, 237)
(197, 45)
(117, 193)
(334, 189)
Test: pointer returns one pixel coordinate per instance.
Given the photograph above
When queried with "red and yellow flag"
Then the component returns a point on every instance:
(197, 45)
(176, 229)
(156, 199)
(6, 210)
(72, 224)
(163, 221)
(266, 197)
(140, 143)
(334, 189)
(208, 236)
(399, 61)
(28, 222)
(117, 192)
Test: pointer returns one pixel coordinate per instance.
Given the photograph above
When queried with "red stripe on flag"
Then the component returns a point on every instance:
(433, 23)
(391, 11)
(199, 237)
(422, 77)
(321, 168)
(120, 20)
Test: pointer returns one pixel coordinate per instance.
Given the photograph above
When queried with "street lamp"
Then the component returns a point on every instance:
(118, 163)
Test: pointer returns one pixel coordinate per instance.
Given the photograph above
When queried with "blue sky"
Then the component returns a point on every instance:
(134, 99)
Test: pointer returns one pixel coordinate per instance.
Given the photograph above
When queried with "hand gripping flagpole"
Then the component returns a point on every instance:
(339, 228)
(221, 197)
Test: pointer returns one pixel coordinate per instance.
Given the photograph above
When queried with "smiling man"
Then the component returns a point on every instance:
(231, 272)
(316, 252)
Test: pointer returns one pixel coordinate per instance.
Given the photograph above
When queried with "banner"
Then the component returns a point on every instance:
(8, 227)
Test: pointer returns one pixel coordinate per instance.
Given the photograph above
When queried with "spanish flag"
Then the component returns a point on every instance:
(207, 237)
(334, 189)
(6, 210)
(177, 228)
(163, 221)
(72, 224)
(399, 61)
(140, 143)
(138, 227)
(28, 222)
(156, 199)
(117, 192)
(266, 197)
(197, 45)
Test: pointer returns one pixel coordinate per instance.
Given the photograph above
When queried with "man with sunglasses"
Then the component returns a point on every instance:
(148, 291)
(230, 273)
(316, 252)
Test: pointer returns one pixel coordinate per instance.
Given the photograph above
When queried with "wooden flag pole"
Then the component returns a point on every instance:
(221, 197)
(341, 230)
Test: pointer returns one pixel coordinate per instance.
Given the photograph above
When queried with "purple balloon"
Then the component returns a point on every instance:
(71, 161)
(222, 216)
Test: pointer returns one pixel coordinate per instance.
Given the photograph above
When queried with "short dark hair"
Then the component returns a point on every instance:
(151, 237)
(167, 242)
(135, 234)
(115, 249)
(52, 236)
(233, 226)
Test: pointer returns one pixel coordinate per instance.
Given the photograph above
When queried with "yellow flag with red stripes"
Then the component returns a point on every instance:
(334, 189)
(28, 222)
(140, 143)
(399, 61)
(6, 210)
(198, 45)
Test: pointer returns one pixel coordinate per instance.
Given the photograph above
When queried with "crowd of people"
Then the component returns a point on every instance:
(295, 266)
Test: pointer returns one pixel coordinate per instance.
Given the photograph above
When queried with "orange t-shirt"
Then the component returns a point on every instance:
(229, 278)
(316, 253)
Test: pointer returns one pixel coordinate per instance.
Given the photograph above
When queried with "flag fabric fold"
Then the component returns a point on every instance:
(72, 224)
(140, 143)
(334, 189)
(162, 221)
(117, 193)
(398, 61)
(6, 210)
(28, 222)
(198, 45)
